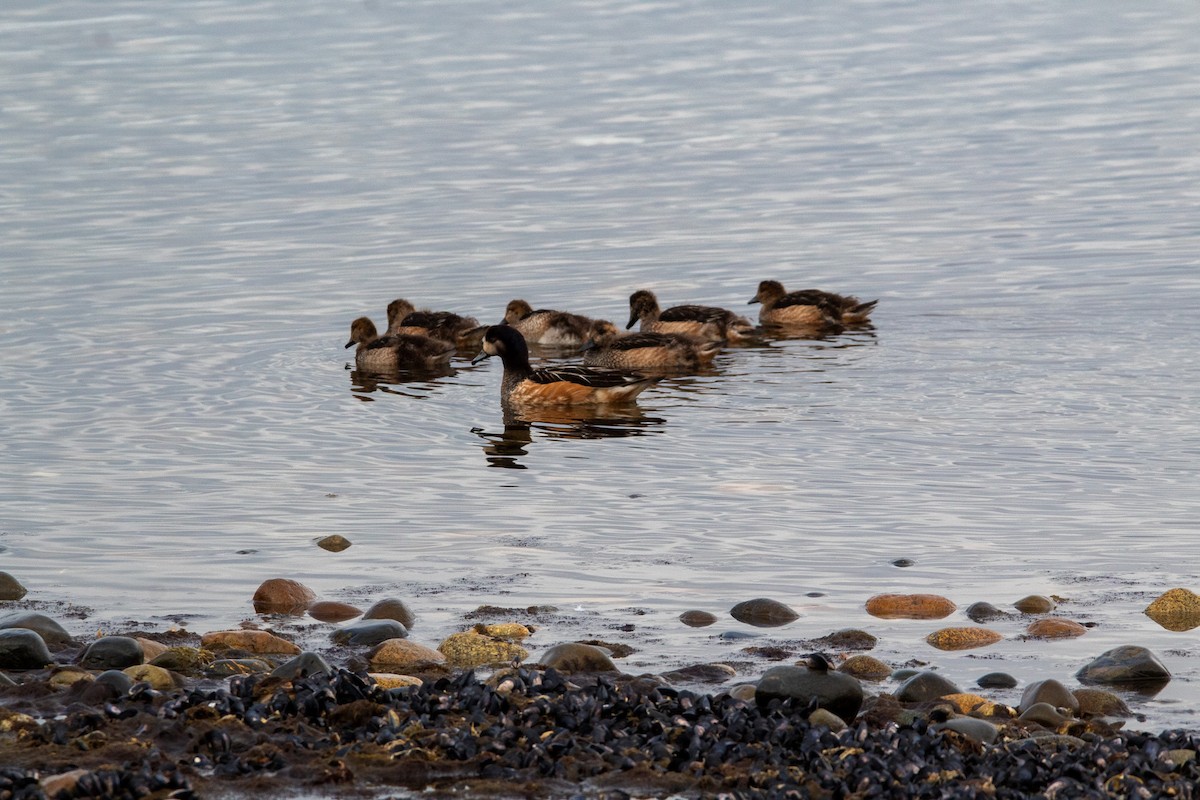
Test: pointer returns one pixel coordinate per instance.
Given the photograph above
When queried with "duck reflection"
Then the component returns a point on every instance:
(523, 426)
(407, 383)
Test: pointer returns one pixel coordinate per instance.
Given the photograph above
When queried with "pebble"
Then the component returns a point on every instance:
(762, 612)
(1055, 628)
(910, 606)
(401, 654)
(504, 630)
(369, 633)
(53, 634)
(1126, 665)
(925, 686)
(1100, 703)
(964, 702)
(575, 657)
(701, 673)
(118, 680)
(904, 562)
(866, 668)
(333, 611)
(282, 596)
(1034, 604)
(978, 730)
(744, 692)
(985, 612)
(11, 588)
(390, 680)
(21, 648)
(962, 638)
(150, 648)
(334, 544)
(697, 619)
(823, 716)
(258, 642)
(471, 649)
(157, 677)
(838, 692)
(185, 660)
(392, 608)
(1044, 714)
(69, 676)
(847, 639)
(1048, 691)
(303, 665)
(996, 680)
(1176, 610)
(112, 652)
(228, 667)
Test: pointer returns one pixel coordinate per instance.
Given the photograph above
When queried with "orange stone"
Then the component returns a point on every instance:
(250, 641)
(1176, 610)
(1055, 628)
(964, 702)
(282, 596)
(962, 638)
(333, 611)
(910, 606)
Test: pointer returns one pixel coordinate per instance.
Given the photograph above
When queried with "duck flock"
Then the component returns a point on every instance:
(616, 367)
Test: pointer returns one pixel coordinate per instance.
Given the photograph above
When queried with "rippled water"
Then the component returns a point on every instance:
(196, 199)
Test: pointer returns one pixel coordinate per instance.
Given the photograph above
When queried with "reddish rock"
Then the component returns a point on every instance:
(1055, 628)
(910, 606)
(249, 641)
(283, 596)
(332, 611)
(962, 638)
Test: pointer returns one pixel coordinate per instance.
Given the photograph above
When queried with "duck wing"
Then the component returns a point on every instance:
(595, 377)
(695, 314)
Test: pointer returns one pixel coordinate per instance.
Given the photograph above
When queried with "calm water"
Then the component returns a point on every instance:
(196, 199)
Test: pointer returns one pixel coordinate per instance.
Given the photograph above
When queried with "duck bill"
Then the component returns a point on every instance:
(350, 343)
(632, 319)
(481, 357)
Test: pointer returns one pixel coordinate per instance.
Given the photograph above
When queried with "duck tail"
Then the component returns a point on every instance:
(860, 312)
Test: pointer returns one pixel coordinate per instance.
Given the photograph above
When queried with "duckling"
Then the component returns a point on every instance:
(663, 352)
(808, 307)
(464, 332)
(702, 322)
(396, 351)
(573, 385)
(546, 327)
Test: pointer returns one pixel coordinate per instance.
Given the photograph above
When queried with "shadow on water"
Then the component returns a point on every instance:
(522, 427)
(407, 383)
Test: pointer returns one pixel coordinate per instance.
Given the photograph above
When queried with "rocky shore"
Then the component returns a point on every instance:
(247, 712)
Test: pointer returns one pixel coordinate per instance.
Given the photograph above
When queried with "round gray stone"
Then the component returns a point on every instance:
(980, 730)
(11, 588)
(391, 608)
(996, 680)
(306, 663)
(577, 657)
(835, 691)
(116, 679)
(21, 648)
(924, 686)
(112, 652)
(53, 634)
(1126, 665)
(369, 633)
(762, 612)
(1048, 691)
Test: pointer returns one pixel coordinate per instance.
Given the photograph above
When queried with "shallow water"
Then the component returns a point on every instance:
(195, 202)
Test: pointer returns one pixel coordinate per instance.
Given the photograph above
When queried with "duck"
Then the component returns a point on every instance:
(396, 351)
(663, 352)
(808, 307)
(403, 317)
(555, 386)
(702, 322)
(547, 327)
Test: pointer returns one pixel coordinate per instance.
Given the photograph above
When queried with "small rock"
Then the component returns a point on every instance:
(1034, 604)
(866, 668)
(763, 612)
(847, 639)
(69, 676)
(904, 562)
(576, 657)
(53, 634)
(1055, 628)
(157, 677)
(62, 782)
(1129, 664)
(259, 642)
(1100, 703)
(996, 680)
(21, 648)
(1177, 758)
(11, 588)
(823, 716)
(150, 648)
(185, 660)
(744, 692)
(334, 544)
(390, 680)
(978, 730)
(1176, 610)
(471, 649)
(962, 638)
(333, 611)
(228, 667)
(402, 654)
(1047, 741)
(697, 619)
(985, 612)
(307, 663)
(391, 608)
(283, 596)
(701, 673)
(964, 702)
(836, 691)
(909, 606)
(117, 679)
(504, 630)
(1044, 714)
(369, 633)
(1048, 691)
(925, 686)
